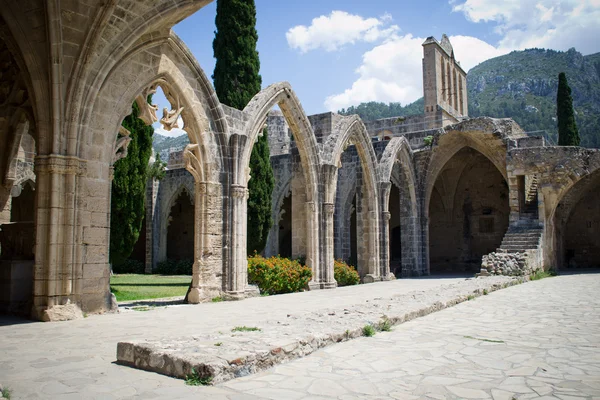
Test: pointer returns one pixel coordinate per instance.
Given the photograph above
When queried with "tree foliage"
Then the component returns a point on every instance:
(523, 86)
(373, 110)
(237, 80)
(129, 188)
(567, 127)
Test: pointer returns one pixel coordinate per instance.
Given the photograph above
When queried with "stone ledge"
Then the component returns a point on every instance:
(224, 355)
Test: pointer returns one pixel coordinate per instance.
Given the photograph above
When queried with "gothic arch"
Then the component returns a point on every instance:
(105, 49)
(351, 129)
(580, 192)
(348, 130)
(174, 69)
(257, 109)
(396, 167)
(450, 143)
(469, 214)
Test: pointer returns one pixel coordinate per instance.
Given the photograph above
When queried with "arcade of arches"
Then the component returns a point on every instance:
(68, 80)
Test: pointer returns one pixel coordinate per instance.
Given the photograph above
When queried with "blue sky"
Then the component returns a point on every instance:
(340, 53)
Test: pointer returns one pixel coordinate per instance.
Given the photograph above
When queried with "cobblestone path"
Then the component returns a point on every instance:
(536, 340)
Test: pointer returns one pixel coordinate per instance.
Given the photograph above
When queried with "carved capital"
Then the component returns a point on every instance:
(387, 215)
(62, 165)
(328, 209)
(239, 191)
(201, 187)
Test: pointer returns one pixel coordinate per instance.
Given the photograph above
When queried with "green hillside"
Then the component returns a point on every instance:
(522, 85)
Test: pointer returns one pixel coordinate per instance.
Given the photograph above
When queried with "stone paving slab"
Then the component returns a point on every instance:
(224, 355)
(540, 340)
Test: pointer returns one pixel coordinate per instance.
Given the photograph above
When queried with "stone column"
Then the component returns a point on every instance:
(61, 275)
(374, 268)
(320, 239)
(515, 193)
(237, 277)
(205, 285)
(384, 241)
(151, 195)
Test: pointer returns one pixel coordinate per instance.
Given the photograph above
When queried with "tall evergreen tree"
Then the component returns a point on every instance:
(128, 189)
(568, 135)
(237, 80)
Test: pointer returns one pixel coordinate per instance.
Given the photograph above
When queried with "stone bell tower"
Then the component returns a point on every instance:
(444, 84)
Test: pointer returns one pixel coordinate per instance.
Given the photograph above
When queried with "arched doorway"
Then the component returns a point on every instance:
(468, 213)
(577, 221)
(180, 234)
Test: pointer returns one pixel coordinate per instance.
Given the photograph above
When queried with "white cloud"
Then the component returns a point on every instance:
(338, 29)
(555, 24)
(392, 71)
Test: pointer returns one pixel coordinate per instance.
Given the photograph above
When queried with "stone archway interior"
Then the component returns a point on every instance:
(353, 235)
(395, 239)
(468, 213)
(180, 234)
(582, 231)
(285, 227)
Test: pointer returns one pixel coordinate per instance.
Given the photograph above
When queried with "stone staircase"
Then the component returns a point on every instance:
(520, 251)
(522, 236)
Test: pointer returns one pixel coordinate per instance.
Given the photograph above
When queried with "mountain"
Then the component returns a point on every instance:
(522, 85)
(373, 110)
(161, 144)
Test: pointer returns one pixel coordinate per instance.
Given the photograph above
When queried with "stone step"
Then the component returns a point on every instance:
(522, 244)
(511, 250)
(518, 248)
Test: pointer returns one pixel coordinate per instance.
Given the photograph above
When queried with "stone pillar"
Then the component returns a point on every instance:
(237, 276)
(205, 285)
(384, 241)
(320, 239)
(151, 196)
(515, 192)
(384, 246)
(65, 269)
(373, 266)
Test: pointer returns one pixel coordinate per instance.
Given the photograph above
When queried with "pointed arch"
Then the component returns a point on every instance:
(351, 130)
(257, 109)
(174, 69)
(451, 142)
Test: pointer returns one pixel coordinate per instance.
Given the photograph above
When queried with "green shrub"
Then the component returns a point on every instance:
(129, 267)
(277, 275)
(174, 267)
(368, 331)
(345, 274)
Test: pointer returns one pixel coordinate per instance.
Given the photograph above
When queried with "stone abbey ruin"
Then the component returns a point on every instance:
(401, 196)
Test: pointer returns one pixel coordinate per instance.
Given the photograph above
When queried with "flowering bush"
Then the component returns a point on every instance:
(345, 274)
(277, 275)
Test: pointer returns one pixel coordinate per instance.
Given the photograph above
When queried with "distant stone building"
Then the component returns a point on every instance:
(401, 196)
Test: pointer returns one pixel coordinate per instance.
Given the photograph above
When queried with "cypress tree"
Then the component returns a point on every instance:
(237, 80)
(127, 208)
(568, 135)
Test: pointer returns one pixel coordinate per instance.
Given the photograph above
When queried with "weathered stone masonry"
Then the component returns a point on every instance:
(70, 72)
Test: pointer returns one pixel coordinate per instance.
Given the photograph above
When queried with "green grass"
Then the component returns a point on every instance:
(385, 325)
(541, 275)
(368, 331)
(142, 287)
(245, 329)
(6, 393)
(194, 379)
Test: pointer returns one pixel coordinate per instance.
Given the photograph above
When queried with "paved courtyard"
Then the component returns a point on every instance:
(536, 340)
